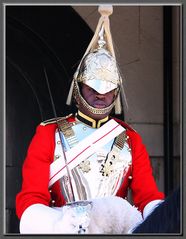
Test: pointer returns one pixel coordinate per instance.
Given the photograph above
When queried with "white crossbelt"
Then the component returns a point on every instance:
(84, 149)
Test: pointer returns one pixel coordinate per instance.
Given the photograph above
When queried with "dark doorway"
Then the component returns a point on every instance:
(53, 38)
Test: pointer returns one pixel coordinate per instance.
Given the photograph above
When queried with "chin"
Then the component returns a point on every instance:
(98, 116)
(84, 110)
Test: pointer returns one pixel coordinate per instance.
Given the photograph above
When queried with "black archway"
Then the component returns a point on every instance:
(37, 37)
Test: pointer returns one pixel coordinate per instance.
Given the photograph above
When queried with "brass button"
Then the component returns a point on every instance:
(57, 156)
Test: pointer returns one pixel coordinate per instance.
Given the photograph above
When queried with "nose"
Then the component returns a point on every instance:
(100, 96)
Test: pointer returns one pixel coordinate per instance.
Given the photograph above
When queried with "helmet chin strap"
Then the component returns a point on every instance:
(96, 110)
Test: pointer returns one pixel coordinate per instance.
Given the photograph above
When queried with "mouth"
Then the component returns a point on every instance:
(99, 104)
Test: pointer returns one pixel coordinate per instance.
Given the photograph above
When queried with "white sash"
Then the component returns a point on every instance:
(84, 149)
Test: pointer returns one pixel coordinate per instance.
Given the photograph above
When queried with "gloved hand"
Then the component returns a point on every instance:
(75, 218)
(41, 219)
(113, 215)
(108, 215)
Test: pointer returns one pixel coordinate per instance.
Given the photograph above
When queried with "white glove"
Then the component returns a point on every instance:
(75, 218)
(113, 215)
(41, 219)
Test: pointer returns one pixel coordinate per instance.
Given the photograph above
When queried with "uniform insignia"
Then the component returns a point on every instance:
(113, 157)
(85, 166)
(107, 168)
(109, 165)
(66, 128)
(53, 120)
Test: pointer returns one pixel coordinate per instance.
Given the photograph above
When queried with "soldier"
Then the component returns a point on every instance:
(79, 168)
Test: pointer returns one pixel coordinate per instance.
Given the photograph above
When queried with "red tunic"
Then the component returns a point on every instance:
(40, 155)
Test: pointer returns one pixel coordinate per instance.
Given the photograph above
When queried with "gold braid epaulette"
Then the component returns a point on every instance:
(54, 120)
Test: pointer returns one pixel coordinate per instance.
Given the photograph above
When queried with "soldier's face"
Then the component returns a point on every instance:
(96, 100)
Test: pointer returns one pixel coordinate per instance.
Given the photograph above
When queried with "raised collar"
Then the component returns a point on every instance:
(89, 121)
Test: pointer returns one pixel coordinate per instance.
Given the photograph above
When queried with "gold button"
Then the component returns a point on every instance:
(58, 142)
(130, 177)
(53, 201)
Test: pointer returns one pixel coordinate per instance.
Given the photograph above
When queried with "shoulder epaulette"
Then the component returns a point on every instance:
(129, 127)
(54, 120)
(125, 124)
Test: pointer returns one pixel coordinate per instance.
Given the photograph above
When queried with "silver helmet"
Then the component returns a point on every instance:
(98, 68)
(99, 71)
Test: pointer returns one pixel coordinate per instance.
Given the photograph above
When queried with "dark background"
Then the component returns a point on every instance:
(53, 38)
